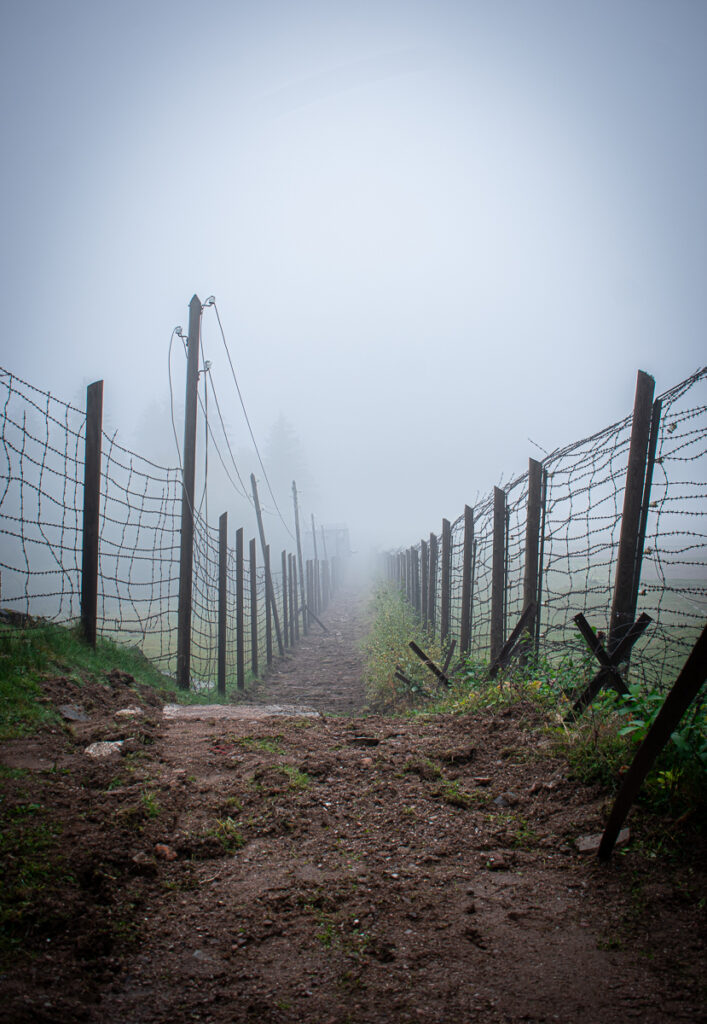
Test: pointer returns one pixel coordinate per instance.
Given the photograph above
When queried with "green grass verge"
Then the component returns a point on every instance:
(43, 650)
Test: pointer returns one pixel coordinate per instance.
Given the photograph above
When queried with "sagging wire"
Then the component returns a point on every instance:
(211, 301)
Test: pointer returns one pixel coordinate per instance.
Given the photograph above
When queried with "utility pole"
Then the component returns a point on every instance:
(186, 554)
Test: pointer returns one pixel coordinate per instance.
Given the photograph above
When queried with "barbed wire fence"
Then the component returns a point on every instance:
(583, 487)
(42, 453)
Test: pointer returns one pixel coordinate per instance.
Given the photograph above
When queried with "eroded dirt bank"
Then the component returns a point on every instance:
(340, 869)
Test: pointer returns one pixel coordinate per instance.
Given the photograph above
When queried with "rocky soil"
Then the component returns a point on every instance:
(329, 868)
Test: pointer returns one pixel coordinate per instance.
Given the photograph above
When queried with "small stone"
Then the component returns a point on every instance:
(511, 798)
(144, 864)
(165, 852)
(131, 712)
(494, 862)
(106, 748)
(483, 780)
(366, 762)
(72, 713)
(501, 801)
(590, 844)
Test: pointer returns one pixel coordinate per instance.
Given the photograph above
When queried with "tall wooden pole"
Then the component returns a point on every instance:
(269, 590)
(424, 564)
(467, 556)
(432, 585)
(446, 582)
(222, 600)
(300, 563)
(532, 548)
(626, 568)
(186, 553)
(498, 573)
(240, 637)
(91, 511)
(285, 602)
(253, 609)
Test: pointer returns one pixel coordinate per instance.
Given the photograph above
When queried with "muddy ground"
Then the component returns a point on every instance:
(336, 868)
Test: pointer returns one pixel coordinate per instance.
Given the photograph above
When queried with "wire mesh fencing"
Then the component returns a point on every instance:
(583, 490)
(42, 447)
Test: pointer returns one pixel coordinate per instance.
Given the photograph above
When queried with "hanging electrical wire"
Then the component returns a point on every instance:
(180, 334)
(211, 301)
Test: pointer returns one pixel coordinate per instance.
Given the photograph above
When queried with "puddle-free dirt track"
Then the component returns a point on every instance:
(345, 868)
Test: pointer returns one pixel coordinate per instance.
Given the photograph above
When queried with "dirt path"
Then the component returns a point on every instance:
(348, 869)
(325, 671)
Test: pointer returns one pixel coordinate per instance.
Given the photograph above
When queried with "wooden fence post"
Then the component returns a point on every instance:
(269, 607)
(253, 610)
(532, 549)
(446, 581)
(414, 554)
(91, 511)
(424, 567)
(300, 563)
(498, 573)
(285, 615)
(432, 585)
(465, 635)
(240, 618)
(186, 552)
(222, 601)
(645, 503)
(626, 568)
(269, 590)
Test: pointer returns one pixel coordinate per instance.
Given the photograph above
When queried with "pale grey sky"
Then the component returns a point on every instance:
(432, 229)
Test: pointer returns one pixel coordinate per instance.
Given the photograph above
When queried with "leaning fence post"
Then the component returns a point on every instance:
(253, 610)
(222, 601)
(626, 568)
(532, 547)
(446, 581)
(186, 553)
(240, 638)
(498, 573)
(465, 636)
(91, 511)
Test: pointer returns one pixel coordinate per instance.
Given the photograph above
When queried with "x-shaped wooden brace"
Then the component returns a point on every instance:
(608, 674)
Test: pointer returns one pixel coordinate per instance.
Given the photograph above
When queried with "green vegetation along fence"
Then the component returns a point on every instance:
(612, 525)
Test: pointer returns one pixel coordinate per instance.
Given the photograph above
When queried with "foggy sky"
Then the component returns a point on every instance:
(433, 230)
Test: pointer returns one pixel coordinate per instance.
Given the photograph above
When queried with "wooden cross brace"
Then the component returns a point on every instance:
(608, 674)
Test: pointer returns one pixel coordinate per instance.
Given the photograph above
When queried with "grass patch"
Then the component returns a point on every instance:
(395, 624)
(42, 650)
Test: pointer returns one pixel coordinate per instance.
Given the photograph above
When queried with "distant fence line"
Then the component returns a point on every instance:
(613, 524)
(42, 470)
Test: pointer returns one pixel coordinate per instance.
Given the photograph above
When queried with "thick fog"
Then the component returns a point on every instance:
(441, 236)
